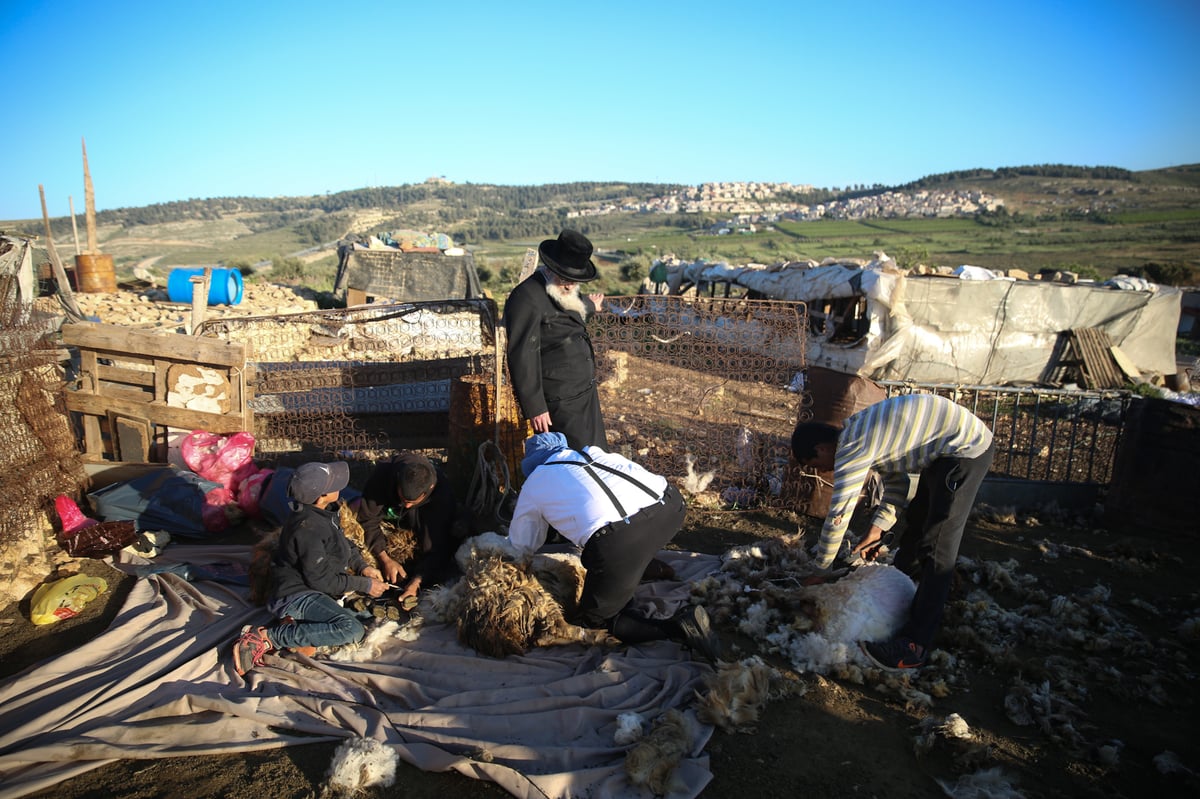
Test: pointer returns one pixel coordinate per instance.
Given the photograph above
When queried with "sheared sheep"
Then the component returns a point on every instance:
(502, 607)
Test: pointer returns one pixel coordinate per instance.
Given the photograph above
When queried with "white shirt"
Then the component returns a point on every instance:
(568, 498)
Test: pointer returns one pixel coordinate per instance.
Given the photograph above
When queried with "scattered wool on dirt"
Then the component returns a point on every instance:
(653, 761)
(735, 694)
(1189, 629)
(1168, 762)
(989, 783)
(360, 764)
(952, 733)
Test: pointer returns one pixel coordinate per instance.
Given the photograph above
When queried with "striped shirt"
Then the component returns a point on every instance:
(895, 437)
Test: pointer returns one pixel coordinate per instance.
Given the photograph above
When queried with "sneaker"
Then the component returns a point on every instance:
(693, 624)
(251, 645)
(896, 654)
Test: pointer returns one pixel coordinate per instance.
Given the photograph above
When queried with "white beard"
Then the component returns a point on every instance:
(567, 299)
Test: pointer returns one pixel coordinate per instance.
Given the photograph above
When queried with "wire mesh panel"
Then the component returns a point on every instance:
(698, 389)
(360, 383)
(38, 459)
(1053, 435)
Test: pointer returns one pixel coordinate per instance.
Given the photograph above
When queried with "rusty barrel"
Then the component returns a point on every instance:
(95, 273)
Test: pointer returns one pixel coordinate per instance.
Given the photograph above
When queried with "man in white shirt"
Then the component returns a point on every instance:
(620, 515)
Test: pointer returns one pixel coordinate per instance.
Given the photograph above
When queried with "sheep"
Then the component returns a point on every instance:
(502, 607)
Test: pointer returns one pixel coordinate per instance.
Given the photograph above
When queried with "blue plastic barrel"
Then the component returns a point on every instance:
(225, 287)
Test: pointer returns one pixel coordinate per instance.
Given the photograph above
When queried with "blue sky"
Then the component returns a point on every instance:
(181, 100)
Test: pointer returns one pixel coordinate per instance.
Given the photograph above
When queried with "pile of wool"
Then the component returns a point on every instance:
(954, 733)
(373, 644)
(653, 761)
(359, 764)
(736, 693)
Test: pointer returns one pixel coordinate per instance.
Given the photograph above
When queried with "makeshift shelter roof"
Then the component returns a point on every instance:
(957, 328)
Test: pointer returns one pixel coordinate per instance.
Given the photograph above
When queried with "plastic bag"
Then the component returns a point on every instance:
(224, 460)
(249, 492)
(64, 598)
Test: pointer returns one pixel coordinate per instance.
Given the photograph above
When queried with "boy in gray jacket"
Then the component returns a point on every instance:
(314, 565)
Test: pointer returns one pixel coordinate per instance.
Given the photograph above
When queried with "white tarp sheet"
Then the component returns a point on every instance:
(942, 329)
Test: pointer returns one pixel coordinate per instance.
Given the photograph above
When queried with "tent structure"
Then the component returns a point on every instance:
(878, 322)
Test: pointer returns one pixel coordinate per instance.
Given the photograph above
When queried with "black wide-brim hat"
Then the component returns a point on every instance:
(569, 256)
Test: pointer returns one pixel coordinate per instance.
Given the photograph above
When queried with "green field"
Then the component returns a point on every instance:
(1096, 227)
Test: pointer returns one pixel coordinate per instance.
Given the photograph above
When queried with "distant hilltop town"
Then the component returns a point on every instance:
(748, 203)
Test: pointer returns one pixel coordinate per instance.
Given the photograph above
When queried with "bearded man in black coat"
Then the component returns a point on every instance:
(550, 356)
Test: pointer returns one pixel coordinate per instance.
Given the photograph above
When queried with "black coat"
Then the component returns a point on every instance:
(552, 364)
(432, 522)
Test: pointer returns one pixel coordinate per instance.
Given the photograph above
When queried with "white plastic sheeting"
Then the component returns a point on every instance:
(943, 329)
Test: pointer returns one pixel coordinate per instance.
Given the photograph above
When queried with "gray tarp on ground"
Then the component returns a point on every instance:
(940, 329)
(159, 683)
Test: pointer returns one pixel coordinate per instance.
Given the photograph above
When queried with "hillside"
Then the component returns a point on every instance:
(1096, 221)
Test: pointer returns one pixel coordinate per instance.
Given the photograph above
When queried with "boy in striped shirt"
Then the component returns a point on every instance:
(924, 434)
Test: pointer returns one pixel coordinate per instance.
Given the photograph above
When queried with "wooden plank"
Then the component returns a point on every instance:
(93, 441)
(157, 413)
(170, 346)
(89, 370)
(116, 374)
(130, 437)
(1095, 349)
(1127, 366)
(117, 391)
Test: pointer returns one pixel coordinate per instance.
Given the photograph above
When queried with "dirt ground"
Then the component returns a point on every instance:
(1113, 687)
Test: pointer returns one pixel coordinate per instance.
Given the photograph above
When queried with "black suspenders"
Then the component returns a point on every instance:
(587, 467)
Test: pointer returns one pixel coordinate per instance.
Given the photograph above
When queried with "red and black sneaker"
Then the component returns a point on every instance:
(896, 654)
(250, 648)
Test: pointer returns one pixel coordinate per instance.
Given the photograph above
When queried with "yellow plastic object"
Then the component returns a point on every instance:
(64, 598)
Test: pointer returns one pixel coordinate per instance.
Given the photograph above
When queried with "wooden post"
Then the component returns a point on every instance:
(74, 227)
(89, 202)
(60, 274)
(200, 285)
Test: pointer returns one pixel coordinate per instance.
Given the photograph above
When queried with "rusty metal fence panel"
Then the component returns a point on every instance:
(700, 389)
(1051, 435)
(360, 383)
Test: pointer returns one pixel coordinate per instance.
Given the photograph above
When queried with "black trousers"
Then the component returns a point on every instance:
(933, 531)
(617, 554)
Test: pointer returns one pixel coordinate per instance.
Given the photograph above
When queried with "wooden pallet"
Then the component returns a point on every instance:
(130, 381)
(1087, 357)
